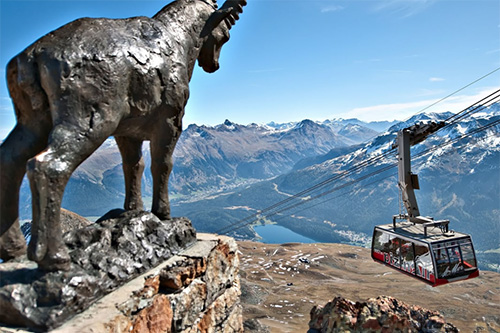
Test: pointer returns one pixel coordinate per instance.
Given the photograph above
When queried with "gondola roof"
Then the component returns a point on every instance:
(416, 232)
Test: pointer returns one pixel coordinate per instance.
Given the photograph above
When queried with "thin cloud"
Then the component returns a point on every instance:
(404, 8)
(401, 111)
(387, 111)
(332, 8)
(436, 79)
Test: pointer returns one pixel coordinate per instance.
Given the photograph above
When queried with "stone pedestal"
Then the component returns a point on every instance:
(105, 255)
(195, 291)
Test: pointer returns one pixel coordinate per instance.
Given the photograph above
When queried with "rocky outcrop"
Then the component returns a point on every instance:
(104, 256)
(69, 221)
(381, 314)
(195, 291)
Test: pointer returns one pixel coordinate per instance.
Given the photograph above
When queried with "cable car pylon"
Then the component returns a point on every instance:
(436, 255)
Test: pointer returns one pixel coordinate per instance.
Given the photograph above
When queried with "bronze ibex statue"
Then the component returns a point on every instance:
(95, 78)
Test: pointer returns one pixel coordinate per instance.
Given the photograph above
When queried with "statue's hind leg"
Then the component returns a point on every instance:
(163, 143)
(21, 144)
(133, 167)
(27, 139)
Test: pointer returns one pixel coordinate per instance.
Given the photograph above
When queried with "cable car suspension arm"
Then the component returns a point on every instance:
(408, 181)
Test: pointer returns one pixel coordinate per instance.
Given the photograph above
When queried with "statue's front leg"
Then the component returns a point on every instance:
(47, 182)
(162, 148)
(49, 173)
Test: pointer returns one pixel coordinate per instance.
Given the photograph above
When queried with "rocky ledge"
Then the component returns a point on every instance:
(197, 290)
(381, 314)
(104, 255)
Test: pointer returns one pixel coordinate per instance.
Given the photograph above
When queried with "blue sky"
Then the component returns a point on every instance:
(288, 60)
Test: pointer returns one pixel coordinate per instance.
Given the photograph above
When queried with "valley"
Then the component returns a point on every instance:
(282, 282)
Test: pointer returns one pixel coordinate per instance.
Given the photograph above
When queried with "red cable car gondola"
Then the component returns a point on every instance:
(419, 246)
(436, 258)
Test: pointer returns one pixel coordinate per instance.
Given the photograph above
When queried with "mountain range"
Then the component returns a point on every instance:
(231, 173)
(209, 159)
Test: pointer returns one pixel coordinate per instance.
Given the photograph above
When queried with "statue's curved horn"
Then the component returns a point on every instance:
(230, 11)
(236, 7)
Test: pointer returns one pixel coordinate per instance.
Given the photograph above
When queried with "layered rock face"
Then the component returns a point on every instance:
(381, 314)
(197, 290)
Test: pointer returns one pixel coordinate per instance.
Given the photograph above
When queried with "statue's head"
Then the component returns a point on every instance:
(216, 33)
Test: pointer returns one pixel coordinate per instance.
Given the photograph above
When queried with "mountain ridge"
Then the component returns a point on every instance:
(207, 159)
(456, 182)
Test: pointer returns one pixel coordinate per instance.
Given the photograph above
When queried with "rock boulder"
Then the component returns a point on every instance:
(376, 315)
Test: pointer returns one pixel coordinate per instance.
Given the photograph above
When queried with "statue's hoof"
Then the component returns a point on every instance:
(58, 262)
(36, 250)
(163, 215)
(12, 253)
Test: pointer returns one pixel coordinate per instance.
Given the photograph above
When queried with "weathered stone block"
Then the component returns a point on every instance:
(222, 267)
(189, 272)
(234, 322)
(188, 305)
(155, 318)
(220, 311)
(182, 273)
